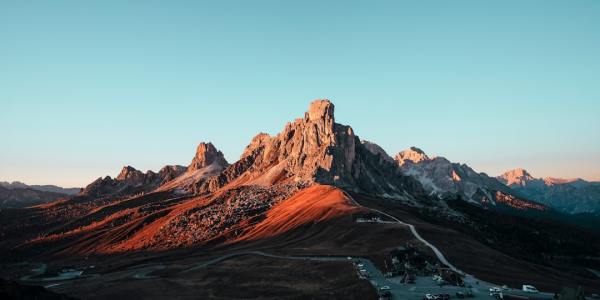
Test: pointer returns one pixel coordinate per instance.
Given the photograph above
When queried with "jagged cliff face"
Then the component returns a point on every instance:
(315, 149)
(206, 155)
(306, 149)
(207, 162)
(170, 172)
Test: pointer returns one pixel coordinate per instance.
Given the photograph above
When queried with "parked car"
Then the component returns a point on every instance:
(436, 297)
(529, 288)
(495, 291)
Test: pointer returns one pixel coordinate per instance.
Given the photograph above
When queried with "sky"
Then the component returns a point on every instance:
(87, 87)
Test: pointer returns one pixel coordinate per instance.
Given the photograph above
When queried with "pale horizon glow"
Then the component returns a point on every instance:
(89, 87)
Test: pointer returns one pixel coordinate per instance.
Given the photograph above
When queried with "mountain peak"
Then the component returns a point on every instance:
(257, 141)
(518, 176)
(170, 172)
(315, 149)
(128, 172)
(206, 154)
(321, 109)
(519, 172)
(412, 154)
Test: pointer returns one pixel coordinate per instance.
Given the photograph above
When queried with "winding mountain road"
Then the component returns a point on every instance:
(480, 287)
(413, 230)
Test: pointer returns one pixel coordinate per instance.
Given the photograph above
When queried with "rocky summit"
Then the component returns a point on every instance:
(412, 155)
(206, 155)
(207, 162)
(517, 176)
(316, 149)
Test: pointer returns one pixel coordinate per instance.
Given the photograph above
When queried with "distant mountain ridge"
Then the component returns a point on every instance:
(443, 178)
(42, 188)
(571, 196)
(18, 195)
(130, 181)
(24, 197)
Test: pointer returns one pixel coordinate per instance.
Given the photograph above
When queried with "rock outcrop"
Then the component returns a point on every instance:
(170, 172)
(207, 162)
(316, 149)
(206, 155)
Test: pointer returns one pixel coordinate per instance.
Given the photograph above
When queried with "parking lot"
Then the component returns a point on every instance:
(426, 285)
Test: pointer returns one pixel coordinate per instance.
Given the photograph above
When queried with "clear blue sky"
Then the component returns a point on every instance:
(89, 86)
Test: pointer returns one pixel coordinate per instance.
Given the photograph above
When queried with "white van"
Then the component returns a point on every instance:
(529, 289)
(494, 291)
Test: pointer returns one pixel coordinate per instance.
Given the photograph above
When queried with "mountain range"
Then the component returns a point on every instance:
(443, 178)
(571, 196)
(300, 192)
(17, 194)
(42, 188)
